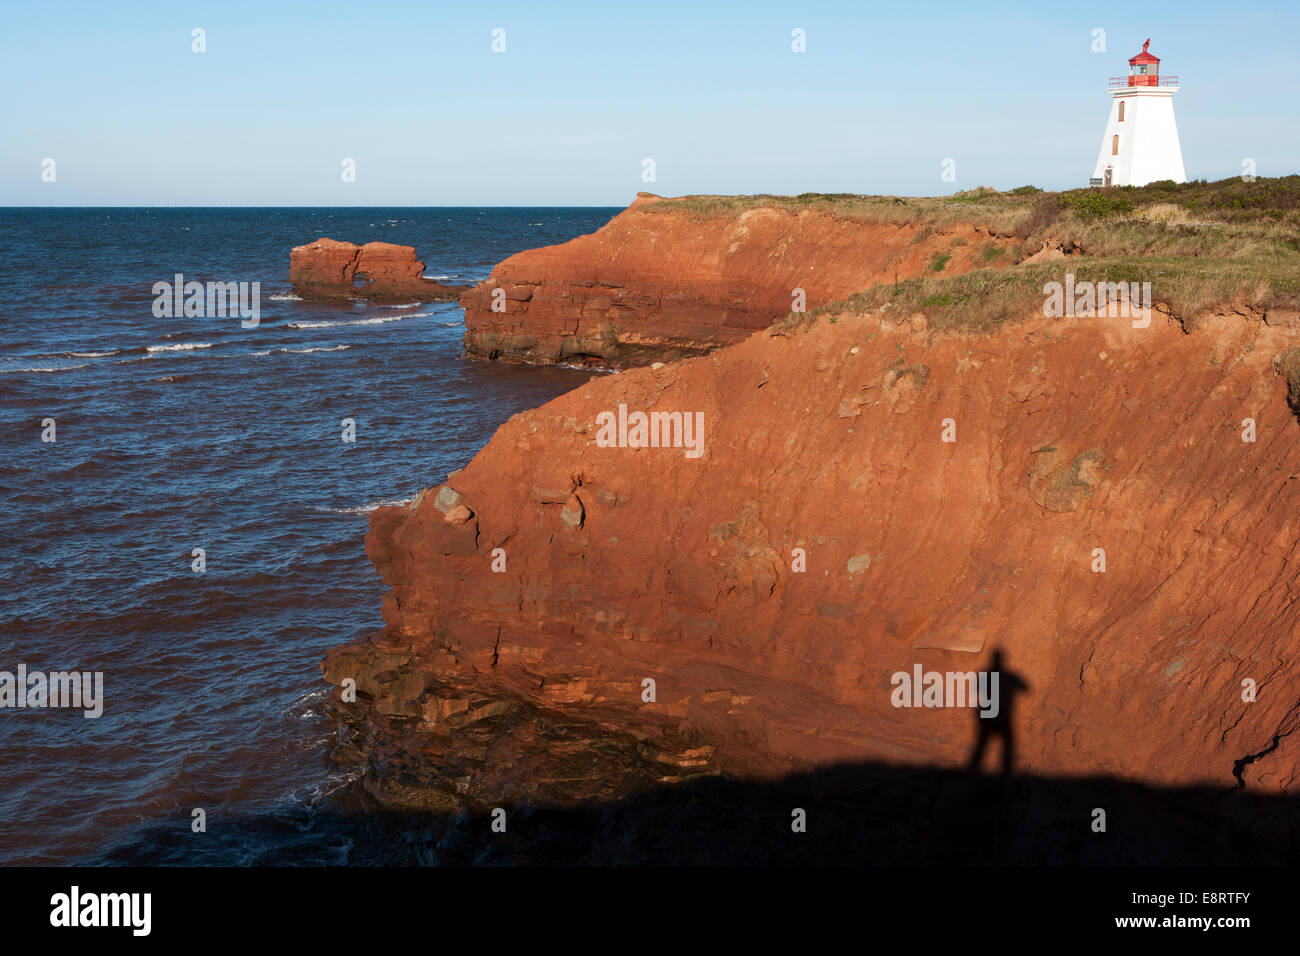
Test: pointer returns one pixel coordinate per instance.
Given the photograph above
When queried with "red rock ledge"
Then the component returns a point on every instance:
(664, 280)
(328, 268)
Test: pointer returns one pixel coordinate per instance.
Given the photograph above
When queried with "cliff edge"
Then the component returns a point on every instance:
(672, 278)
(723, 565)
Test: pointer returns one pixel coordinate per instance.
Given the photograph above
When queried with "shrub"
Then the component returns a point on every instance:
(1048, 210)
(1098, 204)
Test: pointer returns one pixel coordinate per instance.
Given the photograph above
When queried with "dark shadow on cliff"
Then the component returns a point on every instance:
(859, 814)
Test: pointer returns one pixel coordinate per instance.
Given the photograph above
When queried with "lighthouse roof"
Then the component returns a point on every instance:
(1145, 56)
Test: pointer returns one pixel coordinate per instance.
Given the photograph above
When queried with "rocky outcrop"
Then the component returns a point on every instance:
(573, 617)
(663, 280)
(328, 268)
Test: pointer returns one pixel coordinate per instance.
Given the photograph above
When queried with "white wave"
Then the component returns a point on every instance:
(284, 297)
(52, 368)
(305, 705)
(441, 278)
(366, 509)
(449, 325)
(332, 348)
(404, 305)
(92, 354)
(331, 325)
(182, 347)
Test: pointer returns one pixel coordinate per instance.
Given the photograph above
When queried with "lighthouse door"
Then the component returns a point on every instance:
(1109, 173)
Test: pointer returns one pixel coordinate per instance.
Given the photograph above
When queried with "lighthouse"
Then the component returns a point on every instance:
(1141, 141)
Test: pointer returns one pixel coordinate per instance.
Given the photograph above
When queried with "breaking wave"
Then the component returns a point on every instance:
(366, 508)
(331, 325)
(331, 348)
(181, 347)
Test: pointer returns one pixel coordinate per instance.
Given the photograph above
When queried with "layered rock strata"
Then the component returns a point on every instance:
(657, 284)
(1113, 509)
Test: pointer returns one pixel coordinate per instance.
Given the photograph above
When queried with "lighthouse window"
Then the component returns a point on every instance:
(1114, 145)
(1121, 111)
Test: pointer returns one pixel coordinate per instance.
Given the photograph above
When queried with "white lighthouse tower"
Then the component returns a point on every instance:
(1141, 141)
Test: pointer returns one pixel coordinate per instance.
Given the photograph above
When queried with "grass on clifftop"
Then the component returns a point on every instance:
(984, 299)
(986, 206)
(1020, 211)
(1199, 244)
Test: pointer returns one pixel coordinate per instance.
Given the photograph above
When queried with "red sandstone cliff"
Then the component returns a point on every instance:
(328, 268)
(657, 284)
(622, 564)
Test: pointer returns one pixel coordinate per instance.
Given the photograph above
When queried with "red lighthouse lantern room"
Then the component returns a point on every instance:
(1144, 69)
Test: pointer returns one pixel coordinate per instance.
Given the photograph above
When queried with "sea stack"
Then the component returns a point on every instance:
(330, 269)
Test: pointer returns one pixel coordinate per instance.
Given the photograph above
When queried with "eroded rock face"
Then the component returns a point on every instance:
(328, 268)
(570, 621)
(655, 284)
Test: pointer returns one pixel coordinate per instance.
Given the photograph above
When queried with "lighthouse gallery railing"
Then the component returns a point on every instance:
(1142, 79)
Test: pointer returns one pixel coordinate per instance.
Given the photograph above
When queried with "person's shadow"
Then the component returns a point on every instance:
(1002, 724)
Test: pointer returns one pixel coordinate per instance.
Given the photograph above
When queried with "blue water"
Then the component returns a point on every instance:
(182, 433)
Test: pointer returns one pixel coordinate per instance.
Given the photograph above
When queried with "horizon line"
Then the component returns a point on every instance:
(637, 195)
(309, 206)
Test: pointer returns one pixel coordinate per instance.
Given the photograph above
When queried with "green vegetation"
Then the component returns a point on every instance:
(1226, 201)
(1071, 478)
(1097, 204)
(1201, 245)
(984, 299)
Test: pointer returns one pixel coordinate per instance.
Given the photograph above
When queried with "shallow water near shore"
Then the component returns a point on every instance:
(183, 433)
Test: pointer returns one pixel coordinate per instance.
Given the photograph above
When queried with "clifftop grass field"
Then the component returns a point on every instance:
(1203, 246)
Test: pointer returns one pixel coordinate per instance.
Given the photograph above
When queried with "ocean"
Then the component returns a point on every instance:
(176, 434)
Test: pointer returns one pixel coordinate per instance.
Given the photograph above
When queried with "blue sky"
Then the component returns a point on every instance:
(584, 92)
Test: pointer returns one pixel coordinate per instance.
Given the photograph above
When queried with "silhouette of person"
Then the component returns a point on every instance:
(1002, 725)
